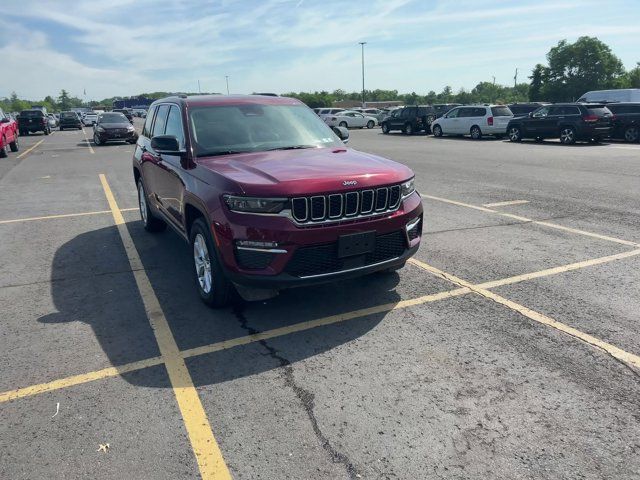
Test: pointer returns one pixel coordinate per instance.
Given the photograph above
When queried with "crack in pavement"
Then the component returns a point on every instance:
(307, 398)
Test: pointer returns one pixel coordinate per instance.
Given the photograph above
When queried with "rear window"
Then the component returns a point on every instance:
(622, 108)
(599, 111)
(69, 115)
(31, 113)
(502, 111)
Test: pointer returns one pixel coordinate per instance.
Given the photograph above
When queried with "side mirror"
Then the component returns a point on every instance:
(530, 114)
(342, 133)
(166, 144)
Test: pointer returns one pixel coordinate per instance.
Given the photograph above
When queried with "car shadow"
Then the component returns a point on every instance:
(556, 143)
(92, 283)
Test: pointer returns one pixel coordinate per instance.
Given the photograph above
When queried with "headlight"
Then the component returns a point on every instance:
(255, 205)
(130, 128)
(98, 128)
(407, 188)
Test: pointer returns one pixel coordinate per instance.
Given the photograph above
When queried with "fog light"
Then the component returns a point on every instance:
(414, 228)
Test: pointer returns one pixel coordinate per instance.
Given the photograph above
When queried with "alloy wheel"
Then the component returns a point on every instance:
(567, 136)
(514, 134)
(632, 134)
(202, 263)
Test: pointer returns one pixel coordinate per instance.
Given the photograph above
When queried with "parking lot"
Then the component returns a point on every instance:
(507, 348)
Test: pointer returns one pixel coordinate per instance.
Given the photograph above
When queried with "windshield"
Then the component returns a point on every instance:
(112, 118)
(219, 130)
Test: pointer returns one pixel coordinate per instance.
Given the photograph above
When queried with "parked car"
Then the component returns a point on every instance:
(442, 108)
(626, 121)
(89, 118)
(474, 120)
(409, 120)
(569, 122)
(242, 178)
(34, 120)
(126, 112)
(53, 121)
(8, 135)
(70, 120)
(607, 96)
(378, 114)
(350, 119)
(524, 109)
(113, 127)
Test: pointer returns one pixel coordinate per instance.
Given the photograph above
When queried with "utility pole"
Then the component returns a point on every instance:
(515, 79)
(494, 80)
(227, 79)
(362, 44)
(199, 91)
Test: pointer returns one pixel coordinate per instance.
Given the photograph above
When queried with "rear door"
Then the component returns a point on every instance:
(501, 116)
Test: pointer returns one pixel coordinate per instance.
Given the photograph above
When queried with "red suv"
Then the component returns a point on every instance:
(269, 197)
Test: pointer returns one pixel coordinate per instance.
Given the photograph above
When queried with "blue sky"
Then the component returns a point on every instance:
(124, 47)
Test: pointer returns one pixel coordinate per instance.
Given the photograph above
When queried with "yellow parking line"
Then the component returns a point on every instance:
(79, 379)
(204, 444)
(64, 215)
(505, 204)
(29, 149)
(622, 355)
(537, 222)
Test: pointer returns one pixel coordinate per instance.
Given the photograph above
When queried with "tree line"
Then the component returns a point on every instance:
(571, 70)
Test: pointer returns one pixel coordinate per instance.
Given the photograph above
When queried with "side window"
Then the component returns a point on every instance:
(571, 111)
(174, 125)
(541, 112)
(161, 120)
(479, 112)
(407, 113)
(455, 113)
(555, 111)
(466, 112)
(146, 130)
(396, 113)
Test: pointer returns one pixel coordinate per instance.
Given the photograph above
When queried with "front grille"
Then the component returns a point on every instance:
(339, 206)
(254, 260)
(323, 259)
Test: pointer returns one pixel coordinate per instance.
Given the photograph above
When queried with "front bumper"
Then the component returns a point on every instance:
(113, 136)
(308, 255)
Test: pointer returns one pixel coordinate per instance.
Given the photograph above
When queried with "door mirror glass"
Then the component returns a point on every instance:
(166, 144)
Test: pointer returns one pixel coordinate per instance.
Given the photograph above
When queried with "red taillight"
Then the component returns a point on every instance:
(590, 118)
(490, 121)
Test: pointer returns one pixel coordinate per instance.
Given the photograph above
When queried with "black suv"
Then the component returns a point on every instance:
(567, 121)
(70, 120)
(409, 119)
(626, 121)
(442, 108)
(33, 120)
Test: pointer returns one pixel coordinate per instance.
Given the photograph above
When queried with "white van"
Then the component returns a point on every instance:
(474, 120)
(619, 95)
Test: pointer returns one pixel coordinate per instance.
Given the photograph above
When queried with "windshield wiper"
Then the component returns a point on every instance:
(221, 152)
(291, 147)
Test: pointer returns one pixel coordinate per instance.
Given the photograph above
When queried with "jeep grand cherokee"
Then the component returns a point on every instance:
(268, 196)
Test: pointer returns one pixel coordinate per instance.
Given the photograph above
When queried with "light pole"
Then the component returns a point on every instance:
(227, 79)
(362, 44)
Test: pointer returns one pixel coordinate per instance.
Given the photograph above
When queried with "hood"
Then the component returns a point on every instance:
(303, 172)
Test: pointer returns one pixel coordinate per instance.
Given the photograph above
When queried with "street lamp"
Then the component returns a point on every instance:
(227, 79)
(362, 44)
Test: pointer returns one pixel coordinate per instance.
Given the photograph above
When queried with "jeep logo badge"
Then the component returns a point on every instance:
(348, 183)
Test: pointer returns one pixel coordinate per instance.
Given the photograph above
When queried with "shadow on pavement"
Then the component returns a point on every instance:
(92, 283)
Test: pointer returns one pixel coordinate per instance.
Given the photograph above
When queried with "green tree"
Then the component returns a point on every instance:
(575, 68)
(538, 78)
(64, 101)
(632, 79)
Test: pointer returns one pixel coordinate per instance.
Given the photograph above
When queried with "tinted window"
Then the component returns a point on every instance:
(454, 113)
(599, 111)
(147, 123)
(568, 110)
(501, 111)
(466, 112)
(408, 112)
(174, 125)
(541, 112)
(161, 120)
(479, 112)
(31, 113)
(68, 115)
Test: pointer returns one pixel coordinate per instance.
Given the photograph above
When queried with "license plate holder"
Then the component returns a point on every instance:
(356, 244)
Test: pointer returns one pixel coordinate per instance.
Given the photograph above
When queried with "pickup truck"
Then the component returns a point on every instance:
(269, 197)
(8, 135)
(34, 120)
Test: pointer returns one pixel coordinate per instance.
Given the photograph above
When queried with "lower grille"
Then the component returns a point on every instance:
(415, 231)
(254, 260)
(323, 259)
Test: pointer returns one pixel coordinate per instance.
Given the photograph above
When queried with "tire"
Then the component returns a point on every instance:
(15, 145)
(567, 135)
(61, 129)
(475, 132)
(343, 124)
(4, 151)
(151, 223)
(371, 124)
(214, 288)
(437, 130)
(408, 129)
(385, 128)
(632, 134)
(515, 134)
(96, 140)
(46, 131)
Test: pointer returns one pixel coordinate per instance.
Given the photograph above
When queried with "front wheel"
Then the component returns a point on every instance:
(46, 131)
(408, 129)
(4, 151)
(385, 128)
(476, 133)
(214, 288)
(370, 124)
(437, 130)
(343, 124)
(515, 134)
(632, 134)
(151, 223)
(15, 145)
(567, 136)
(96, 140)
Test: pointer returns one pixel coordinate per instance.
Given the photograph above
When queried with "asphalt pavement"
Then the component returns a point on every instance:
(508, 349)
